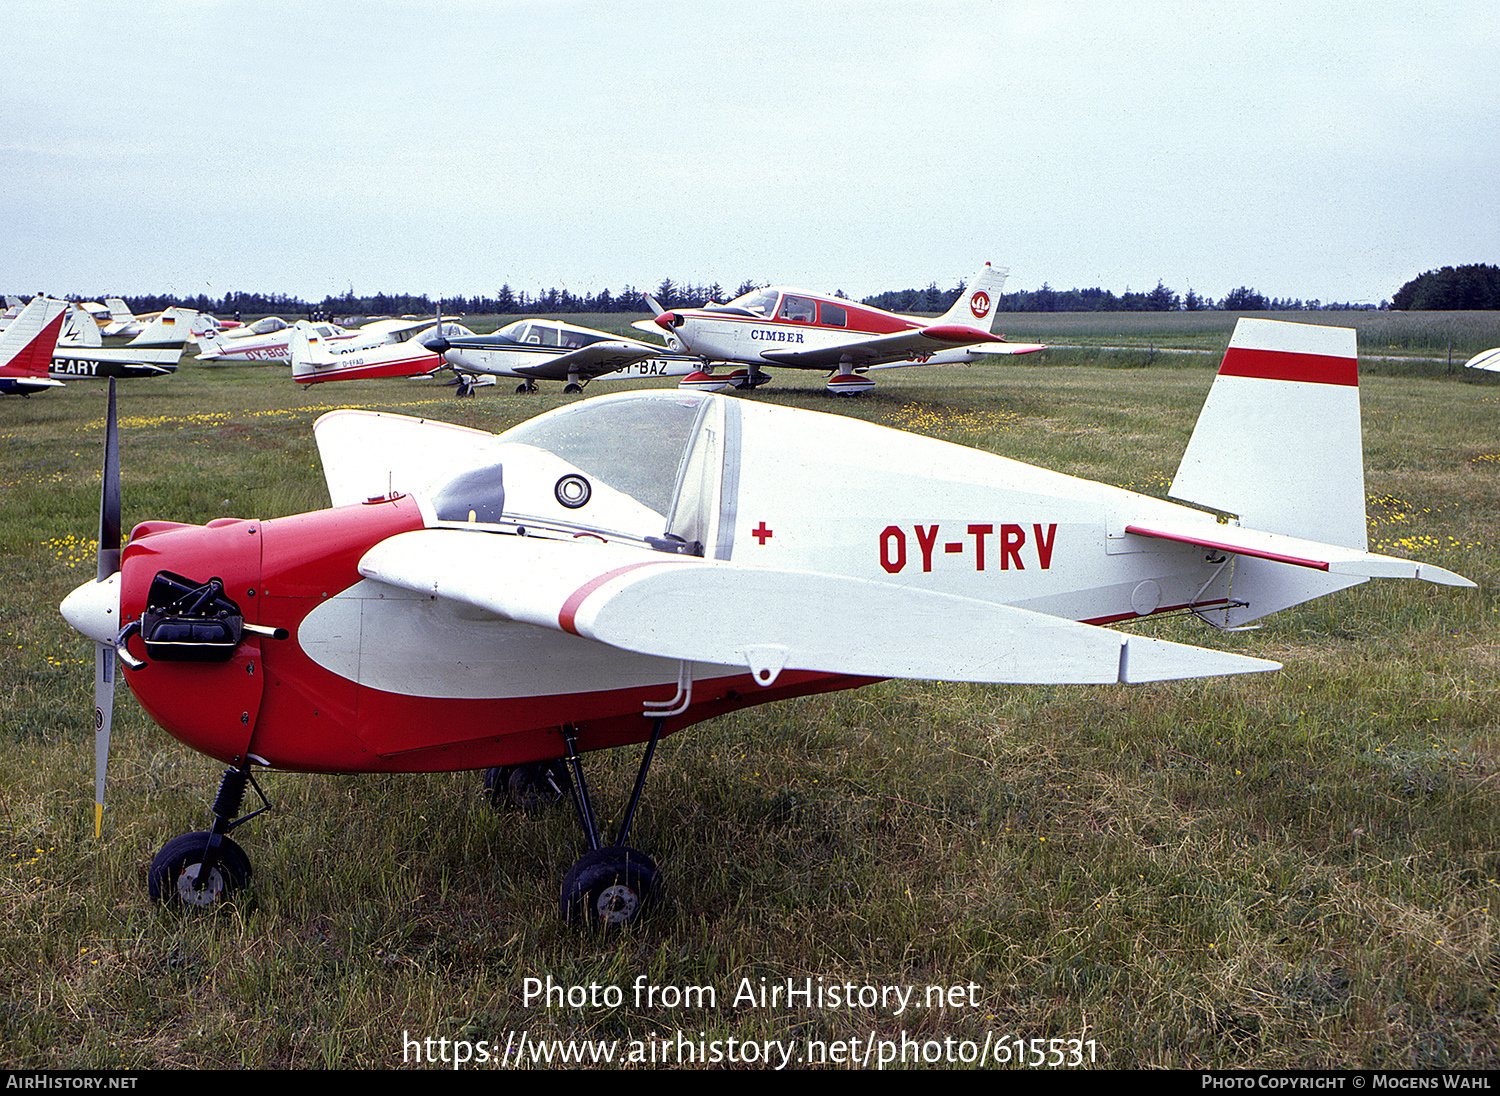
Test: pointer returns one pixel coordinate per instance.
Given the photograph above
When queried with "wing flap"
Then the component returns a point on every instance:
(768, 620)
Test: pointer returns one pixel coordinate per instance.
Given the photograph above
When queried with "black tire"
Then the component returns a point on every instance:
(608, 888)
(572, 389)
(497, 785)
(525, 787)
(174, 871)
(537, 784)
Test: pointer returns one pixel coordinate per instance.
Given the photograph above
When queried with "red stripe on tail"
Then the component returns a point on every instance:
(1281, 365)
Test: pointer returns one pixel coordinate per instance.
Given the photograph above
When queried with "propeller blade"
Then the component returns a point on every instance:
(109, 564)
(104, 714)
(109, 495)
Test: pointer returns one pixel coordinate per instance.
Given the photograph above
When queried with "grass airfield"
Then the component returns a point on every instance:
(1291, 870)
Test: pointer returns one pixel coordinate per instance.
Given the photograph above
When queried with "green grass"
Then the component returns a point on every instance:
(1290, 870)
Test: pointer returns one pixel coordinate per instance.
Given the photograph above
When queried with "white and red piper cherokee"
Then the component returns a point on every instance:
(802, 330)
(631, 565)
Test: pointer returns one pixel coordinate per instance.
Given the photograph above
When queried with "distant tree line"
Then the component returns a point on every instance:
(1451, 289)
(1047, 299)
(1435, 289)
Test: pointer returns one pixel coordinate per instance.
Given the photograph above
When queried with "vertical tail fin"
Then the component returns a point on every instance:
(28, 341)
(171, 328)
(1278, 443)
(307, 351)
(975, 307)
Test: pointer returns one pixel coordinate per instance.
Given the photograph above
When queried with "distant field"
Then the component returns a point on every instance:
(1292, 870)
(1414, 334)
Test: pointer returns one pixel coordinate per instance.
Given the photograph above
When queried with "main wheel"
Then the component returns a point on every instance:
(535, 784)
(608, 888)
(176, 872)
(572, 389)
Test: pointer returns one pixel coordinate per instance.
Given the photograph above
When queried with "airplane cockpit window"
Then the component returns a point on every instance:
(268, 326)
(649, 468)
(797, 309)
(831, 315)
(757, 300)
(513, 331)
(592, 435)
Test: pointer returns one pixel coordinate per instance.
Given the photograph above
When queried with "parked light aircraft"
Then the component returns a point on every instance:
(26, 347)
(265, 340)
(627, 566)
(802, 330)
(154, 352)
(537, 349)
(270, 339)
(316, 359)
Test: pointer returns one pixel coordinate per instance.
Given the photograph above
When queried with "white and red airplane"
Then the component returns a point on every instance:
(803, 330)
(316, 359)
(266, 340)
(536, 349)
(631, 565)
(26, 347)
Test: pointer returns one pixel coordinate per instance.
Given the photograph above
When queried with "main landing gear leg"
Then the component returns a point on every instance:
(205, 868)
(609, 885)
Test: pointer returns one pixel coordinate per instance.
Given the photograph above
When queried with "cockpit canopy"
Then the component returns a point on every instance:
(567, 473)
(550, 333)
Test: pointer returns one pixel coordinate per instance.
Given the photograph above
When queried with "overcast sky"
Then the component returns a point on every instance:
(1302, 148)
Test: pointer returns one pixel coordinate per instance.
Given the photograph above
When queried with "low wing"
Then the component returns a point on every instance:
(768, 620)
(900, 347)
(1293, 551)
(590, 361)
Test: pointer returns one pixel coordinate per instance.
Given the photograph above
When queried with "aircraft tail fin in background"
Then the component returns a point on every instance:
(976, 306)
(172, 328)
(28, 341)
(80, 329)
(306, 350)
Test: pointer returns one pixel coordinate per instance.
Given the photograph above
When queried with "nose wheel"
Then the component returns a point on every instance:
(204, 869)
(184, 873)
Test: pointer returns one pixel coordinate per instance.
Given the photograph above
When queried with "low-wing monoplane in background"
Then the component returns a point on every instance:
(154, 352)
(534, 350)
(802, 330)
(266, 340)
(628, 566)
(26, 347)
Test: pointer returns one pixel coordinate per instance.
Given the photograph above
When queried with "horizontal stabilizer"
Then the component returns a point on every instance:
(1293, 551)
(768, 620)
